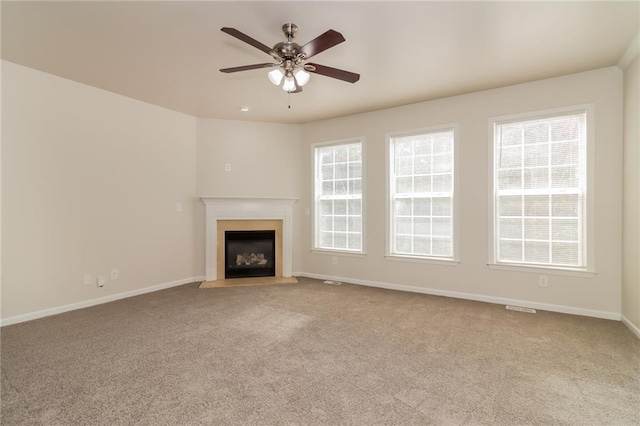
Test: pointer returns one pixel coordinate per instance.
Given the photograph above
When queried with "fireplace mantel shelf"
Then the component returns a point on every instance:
(248, 200)
(247, 208)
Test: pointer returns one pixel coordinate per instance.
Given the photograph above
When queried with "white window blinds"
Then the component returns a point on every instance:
(540, 191)
(422, 194)
(338, 197)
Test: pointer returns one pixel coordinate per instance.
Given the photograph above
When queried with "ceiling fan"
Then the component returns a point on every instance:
(290, 57)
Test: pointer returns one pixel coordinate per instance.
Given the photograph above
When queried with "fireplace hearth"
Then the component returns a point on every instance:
(250, 254)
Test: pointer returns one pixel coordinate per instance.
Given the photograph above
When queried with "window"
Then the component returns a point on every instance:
(338, 196)
(540, 190)
(421, 186)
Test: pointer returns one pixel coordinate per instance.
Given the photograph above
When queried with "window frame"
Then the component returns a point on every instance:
(315, 216)
(588, 212)
(454, 259)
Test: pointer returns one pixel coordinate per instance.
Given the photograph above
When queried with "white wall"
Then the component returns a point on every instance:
(598, 296)
(90, 182)
(264, 160)
(631, 223)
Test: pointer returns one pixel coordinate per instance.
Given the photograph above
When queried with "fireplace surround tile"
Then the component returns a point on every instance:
(247, 225)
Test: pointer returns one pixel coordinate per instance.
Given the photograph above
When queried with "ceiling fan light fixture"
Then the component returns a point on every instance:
(289, 84)
(290, 58)
(302, 77)
(275, 76)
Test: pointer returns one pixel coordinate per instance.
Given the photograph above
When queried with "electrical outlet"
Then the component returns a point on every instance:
(334, 260)
(115, 274)
(87, 279)
(102, 280)
(227, 167)
(543, 281)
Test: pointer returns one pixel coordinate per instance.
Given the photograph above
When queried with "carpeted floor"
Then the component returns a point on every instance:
(314, 353)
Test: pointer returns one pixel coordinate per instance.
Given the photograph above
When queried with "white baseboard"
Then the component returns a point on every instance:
(634, 329)
(92, 302)
(471, 296)
(454, 294)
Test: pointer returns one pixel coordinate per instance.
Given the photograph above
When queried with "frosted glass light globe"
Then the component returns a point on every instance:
(302, 77)
(275, 76)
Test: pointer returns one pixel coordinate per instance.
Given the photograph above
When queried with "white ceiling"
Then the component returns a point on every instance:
(169, 53)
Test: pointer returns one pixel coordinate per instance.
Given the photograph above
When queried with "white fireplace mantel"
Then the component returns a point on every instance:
(226, 208)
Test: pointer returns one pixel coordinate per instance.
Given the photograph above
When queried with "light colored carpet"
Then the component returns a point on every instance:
(316, 354)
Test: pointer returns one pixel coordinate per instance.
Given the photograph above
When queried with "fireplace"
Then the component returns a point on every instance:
(250, 254)
(248, 214)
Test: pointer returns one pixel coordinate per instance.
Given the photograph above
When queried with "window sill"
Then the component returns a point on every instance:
(542, 270)
(345, 253)
(416, 259)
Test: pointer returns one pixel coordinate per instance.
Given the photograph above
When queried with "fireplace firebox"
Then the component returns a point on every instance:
(250, 254)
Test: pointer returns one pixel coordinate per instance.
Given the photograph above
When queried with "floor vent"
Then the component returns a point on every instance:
(333, 282)
(521, 309)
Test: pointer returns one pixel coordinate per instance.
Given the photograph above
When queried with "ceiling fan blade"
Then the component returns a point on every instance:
(351, 77)
(247, 67)
(321, 43)
(242, 36)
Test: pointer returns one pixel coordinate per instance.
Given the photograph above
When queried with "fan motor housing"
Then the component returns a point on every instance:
(286, 49)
